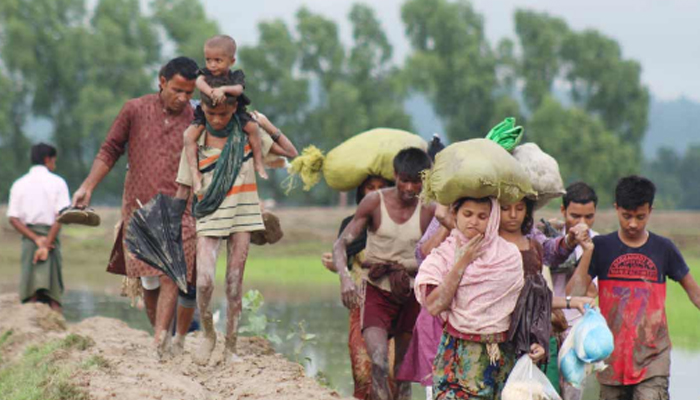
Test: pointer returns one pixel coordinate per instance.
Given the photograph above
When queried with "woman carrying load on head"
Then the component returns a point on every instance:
(473, 280)
(359, 358)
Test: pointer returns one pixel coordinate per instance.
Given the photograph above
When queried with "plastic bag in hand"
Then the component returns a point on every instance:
(527, 382)
(572, 368)
(593, 340)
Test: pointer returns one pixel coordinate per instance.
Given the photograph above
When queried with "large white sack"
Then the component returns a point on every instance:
(543, 171)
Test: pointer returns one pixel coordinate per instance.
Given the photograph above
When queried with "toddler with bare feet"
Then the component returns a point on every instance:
(220, 56)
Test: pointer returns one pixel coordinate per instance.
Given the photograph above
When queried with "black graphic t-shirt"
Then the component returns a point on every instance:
(632, 289)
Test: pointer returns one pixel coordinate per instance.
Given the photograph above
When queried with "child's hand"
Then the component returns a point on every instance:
(537, 352)
(196, 182)
(217, 96)
(327, 260)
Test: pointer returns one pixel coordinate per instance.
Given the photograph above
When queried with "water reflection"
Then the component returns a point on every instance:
(329, 353)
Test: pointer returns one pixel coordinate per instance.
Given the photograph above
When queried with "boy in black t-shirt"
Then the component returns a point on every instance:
(632, 265)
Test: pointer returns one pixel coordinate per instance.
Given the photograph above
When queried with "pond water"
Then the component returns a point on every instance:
(327, 319)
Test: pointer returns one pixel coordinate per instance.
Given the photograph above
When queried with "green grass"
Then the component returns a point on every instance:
(5, 337)
(81, 343)
(683, 317)
(41, 374)
(96, 361)
(291, 271)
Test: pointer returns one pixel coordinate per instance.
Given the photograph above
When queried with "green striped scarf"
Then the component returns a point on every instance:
(227, 168)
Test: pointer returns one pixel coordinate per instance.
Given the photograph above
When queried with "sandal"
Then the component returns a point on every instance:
(272, 233)
(72, 215)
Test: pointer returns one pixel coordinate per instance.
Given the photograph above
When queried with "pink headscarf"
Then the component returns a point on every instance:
(490, 285)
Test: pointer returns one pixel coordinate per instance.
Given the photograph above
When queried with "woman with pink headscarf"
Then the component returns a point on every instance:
(472, 280)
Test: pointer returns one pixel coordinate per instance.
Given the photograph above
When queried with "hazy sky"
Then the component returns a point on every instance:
(663, 35)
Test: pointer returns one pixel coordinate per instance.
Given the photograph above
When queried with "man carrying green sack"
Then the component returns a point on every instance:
(35, 200)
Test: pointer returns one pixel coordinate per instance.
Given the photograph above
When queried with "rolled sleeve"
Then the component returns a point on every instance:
(555, 252)
(118, 136)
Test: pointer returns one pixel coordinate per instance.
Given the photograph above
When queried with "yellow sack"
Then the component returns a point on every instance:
(350, 163)
(476, 168)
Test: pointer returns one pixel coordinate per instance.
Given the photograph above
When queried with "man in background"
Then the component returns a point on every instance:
(35, 201)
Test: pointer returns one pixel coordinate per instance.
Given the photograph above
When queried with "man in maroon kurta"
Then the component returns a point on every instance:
(152, 126)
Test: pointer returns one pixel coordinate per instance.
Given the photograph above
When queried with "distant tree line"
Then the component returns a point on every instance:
(573, 91)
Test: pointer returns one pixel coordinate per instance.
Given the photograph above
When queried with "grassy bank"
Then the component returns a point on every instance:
(683, 317)
(40, 372)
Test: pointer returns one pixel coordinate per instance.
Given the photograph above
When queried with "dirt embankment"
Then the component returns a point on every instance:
(127, 367)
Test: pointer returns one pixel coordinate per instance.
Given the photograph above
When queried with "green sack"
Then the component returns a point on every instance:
(476, 168)
(350, 163)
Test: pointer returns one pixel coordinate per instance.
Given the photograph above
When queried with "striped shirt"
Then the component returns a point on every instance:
(240, 210)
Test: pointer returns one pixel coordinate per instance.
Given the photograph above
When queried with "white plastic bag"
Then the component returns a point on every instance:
(527, 382)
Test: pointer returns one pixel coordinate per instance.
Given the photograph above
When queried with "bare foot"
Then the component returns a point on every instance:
(261, 171)
(163, 346)
(209, 341)
(178, 345)
(232, 358)
(205, 349)
(230, 355)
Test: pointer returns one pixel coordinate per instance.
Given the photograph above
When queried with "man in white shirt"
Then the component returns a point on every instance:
(579, 206)
(35, 200)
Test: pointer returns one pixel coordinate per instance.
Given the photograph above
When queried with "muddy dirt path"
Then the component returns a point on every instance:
(131, 370)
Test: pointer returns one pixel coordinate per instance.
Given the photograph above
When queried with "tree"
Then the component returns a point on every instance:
(540, 38)
(380, 84)
(186, 25)
(77, 69)
(689, 174)
(452, 63)
(664, 171)
(14, 146)
(606, 85)
(321, 93)
(585, 149)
